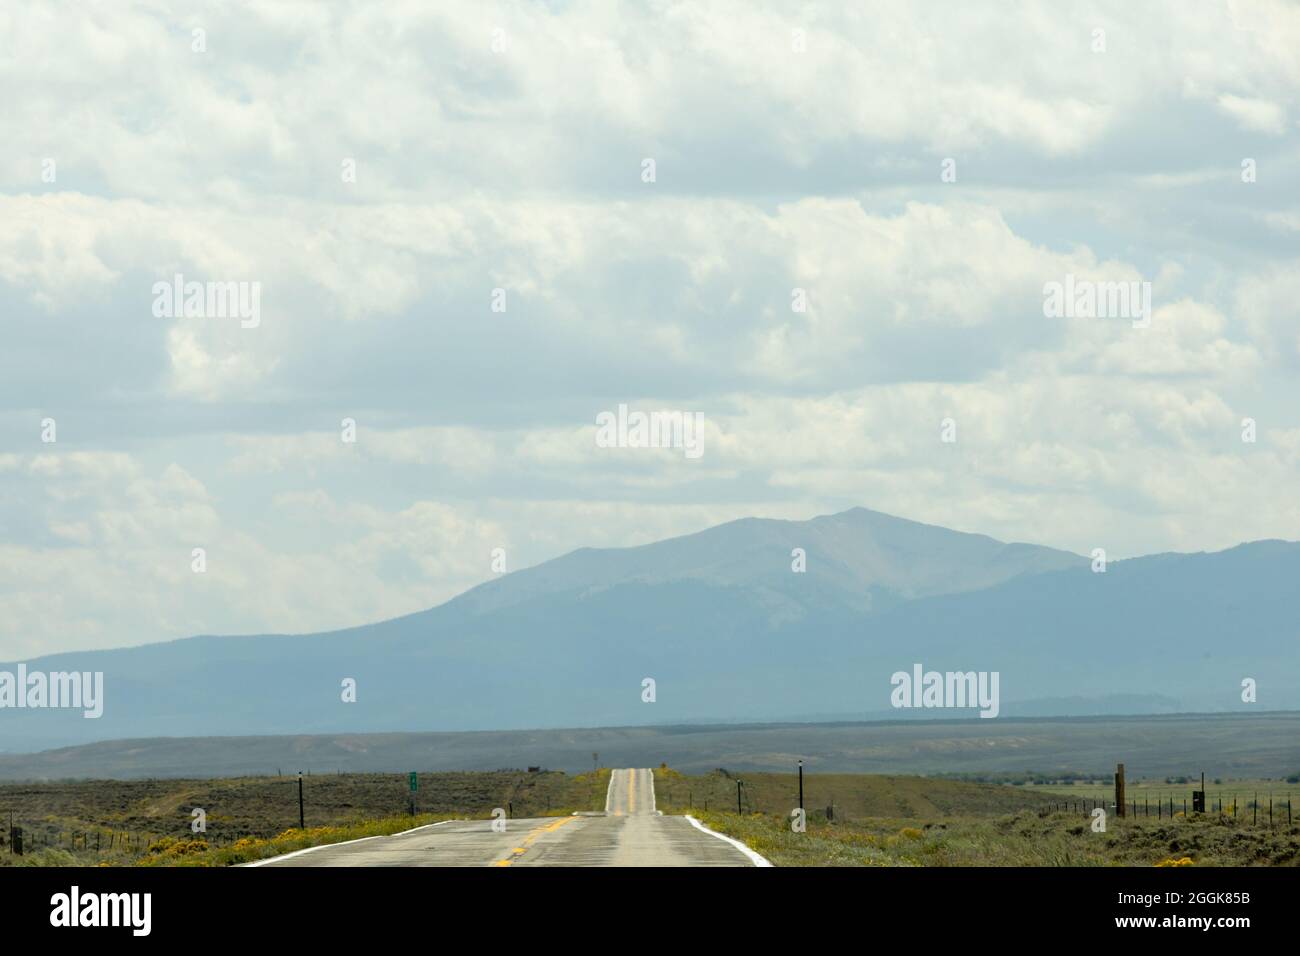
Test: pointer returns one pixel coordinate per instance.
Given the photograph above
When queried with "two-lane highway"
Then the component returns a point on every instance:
(630, 791)
(631, 832)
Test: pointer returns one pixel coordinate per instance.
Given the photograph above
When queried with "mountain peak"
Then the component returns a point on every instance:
(853, 557)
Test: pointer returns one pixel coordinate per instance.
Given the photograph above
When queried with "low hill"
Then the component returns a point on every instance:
(1226, 745)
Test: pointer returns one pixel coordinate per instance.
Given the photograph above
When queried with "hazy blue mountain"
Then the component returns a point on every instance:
(727, 631)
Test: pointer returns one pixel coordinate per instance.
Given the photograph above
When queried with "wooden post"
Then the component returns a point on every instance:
(1119, 790)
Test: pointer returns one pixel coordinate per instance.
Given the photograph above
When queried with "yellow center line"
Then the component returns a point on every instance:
(631, 791)
(527, 841)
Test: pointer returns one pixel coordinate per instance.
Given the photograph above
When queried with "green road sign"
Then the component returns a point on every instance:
(414, 783)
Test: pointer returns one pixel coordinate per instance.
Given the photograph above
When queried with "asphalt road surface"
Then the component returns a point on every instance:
(629, 833)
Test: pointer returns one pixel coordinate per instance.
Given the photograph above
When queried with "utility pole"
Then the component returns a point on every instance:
(302, 825)
(800, 784)
(1119, 790)
(738, 810)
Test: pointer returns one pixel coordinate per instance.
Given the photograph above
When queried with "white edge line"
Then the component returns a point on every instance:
(754, 857)
(326, 846)
(609, 793)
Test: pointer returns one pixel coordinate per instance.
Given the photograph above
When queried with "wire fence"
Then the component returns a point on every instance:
(1255, 808)
(23, 837)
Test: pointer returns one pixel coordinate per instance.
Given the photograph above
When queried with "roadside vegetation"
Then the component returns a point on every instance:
(88, 822)
(852, 819)
(866, 820)
(1020, 839)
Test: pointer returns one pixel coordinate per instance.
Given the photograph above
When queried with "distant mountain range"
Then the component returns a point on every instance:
(728, 631)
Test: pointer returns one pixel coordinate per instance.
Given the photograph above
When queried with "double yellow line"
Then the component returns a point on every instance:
(527, 841)
(631, 796)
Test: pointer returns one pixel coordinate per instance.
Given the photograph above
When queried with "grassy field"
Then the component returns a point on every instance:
(842, 797)
(926, 821)
(118, 820)
(852, 819)
(1026, 838)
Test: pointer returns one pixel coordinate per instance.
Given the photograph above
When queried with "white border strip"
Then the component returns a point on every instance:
(754, 857)
(609, 794)
(326, 846)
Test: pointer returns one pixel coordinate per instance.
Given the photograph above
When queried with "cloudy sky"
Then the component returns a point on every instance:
(503, 146)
